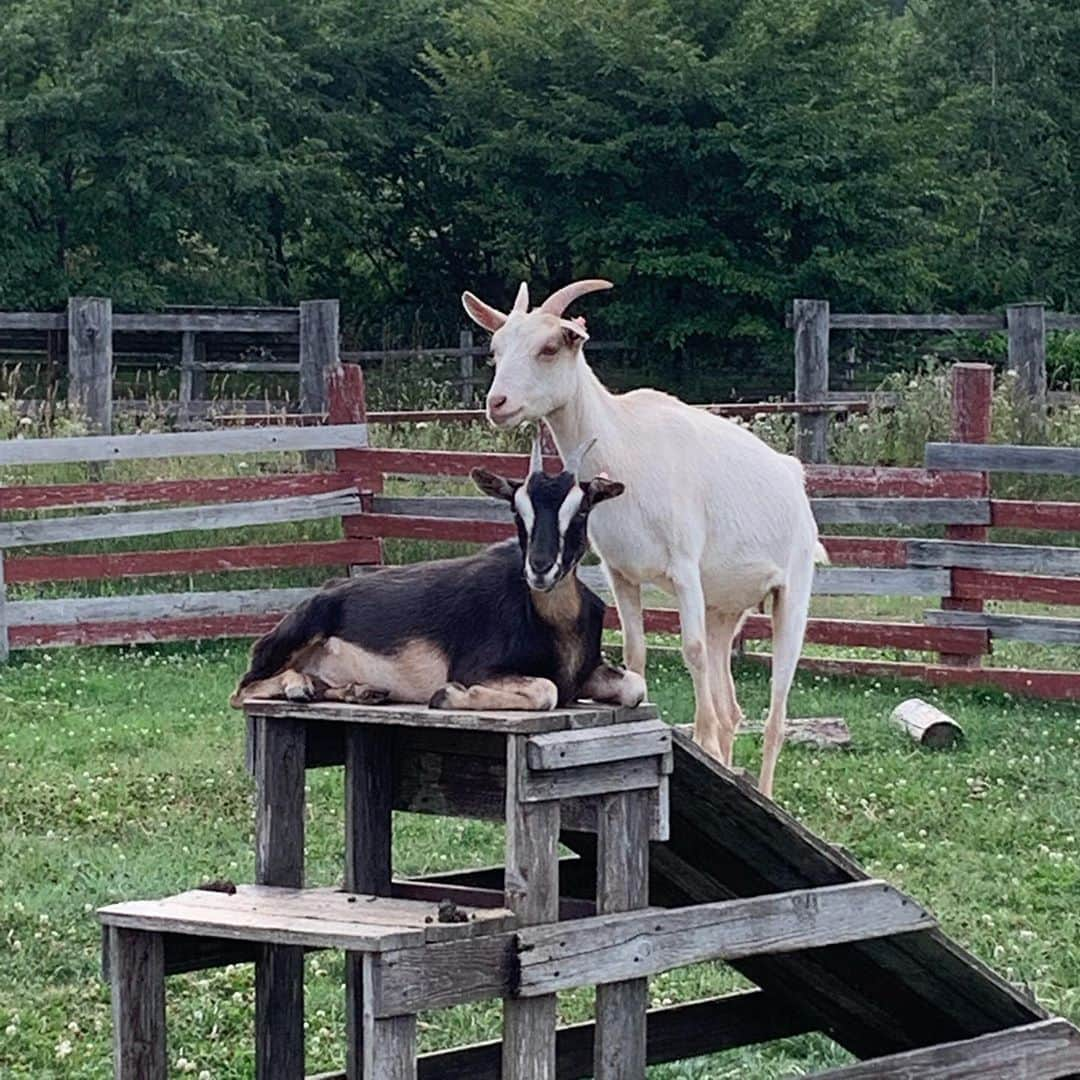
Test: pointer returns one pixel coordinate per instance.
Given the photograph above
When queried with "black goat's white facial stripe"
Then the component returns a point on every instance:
(570, 506)
(523, 505)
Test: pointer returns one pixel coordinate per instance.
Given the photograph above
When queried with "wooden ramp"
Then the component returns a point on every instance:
(875, 997)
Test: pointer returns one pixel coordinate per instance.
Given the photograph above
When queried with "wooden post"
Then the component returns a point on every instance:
(810, 319)
(622, 885)
(532, 893)
(319, 353)
(279, 860)
(468, 369)
(137, 985)
(348, 405)
(389, 1050)
(971, 404)
(90, 352)
(5, 648)
(369, 778)
(1027, 358)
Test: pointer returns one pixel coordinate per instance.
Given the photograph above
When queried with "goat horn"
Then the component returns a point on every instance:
(560, 300)
(521, 301)
(573, 461)
(536, 459)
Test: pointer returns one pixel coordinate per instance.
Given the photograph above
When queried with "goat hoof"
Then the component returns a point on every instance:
(443, 698)
(362, 694)
(299, 689)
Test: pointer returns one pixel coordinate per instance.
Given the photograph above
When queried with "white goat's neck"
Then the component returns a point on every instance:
(592, 411)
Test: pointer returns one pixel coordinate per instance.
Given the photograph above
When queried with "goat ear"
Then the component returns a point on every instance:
(600, 488)
(482, 314)
(498, 487)
(574, 332)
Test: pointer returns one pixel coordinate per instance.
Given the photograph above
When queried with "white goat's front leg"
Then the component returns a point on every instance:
(695, 650)
(631, 618)
(517, 692)
(614, 685)
(722, 628)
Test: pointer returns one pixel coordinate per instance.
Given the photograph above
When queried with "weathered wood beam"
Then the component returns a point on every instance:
(1018, 459)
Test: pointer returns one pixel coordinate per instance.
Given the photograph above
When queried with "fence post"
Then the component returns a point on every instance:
(90, 351)
(468, 369)
(319, 353)
(810, 319)
(192, 378)
(1027, 358)
(348, 405)
(5, 646)
(971, 404)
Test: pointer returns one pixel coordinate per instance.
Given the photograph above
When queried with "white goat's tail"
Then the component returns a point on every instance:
(821, 556)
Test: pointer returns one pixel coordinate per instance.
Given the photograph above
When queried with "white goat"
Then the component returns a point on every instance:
(711, 514)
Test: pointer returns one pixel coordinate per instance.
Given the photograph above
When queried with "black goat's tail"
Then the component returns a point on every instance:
(308, 623)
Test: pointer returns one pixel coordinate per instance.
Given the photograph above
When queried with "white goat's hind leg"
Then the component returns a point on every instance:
(722, 628)
(695, 650)
(631, 618)
(517, 692)
(790, 609)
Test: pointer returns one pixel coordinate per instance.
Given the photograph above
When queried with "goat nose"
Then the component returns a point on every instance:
(496, 403)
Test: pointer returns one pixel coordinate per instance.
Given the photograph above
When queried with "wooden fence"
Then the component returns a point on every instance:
(1026, 325)
(964, 569)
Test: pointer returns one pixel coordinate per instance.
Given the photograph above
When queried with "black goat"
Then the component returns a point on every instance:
(509, 628)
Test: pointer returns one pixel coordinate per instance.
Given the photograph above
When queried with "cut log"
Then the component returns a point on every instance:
(927, 724)
(820, 732)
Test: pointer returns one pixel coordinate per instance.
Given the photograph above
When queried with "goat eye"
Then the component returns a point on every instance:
(549, 350)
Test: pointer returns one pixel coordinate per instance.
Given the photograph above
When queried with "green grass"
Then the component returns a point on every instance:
(122, 777)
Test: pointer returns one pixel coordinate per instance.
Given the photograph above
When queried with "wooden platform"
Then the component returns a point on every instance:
(313, 918)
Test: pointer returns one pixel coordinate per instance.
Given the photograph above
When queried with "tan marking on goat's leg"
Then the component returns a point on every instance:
(513, 692)
(297, 686)
(614, 685)
(357, 694)
(412, 674)
(264, 688)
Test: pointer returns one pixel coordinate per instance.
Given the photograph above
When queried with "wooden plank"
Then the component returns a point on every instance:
(223, 322)
(90, 363)
(673, 1033)
(637, 944)
(111, 526)
(137, 986)
(195, 490)
(810, 321)
(459, 507)
(32, 320)
(879, 635)
(881, 481)
(532, 894)
(622, 885)
(445, 463)
(866, 550)
(129, 564)
(856, 581)
(569, 749)
(180, 444)
(1044, 1051)
(386, 526)
(1037, 628)
(637, 774)
(1026, 514)
(1020, 558)
(982, 585)
(1024, 682)
(494, 721)
(845, 668)
(1063, 460)
(860, 321)
(139, 632)
(75, 610)
(901, 511)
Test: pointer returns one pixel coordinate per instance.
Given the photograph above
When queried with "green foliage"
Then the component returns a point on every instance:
(714, 159)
